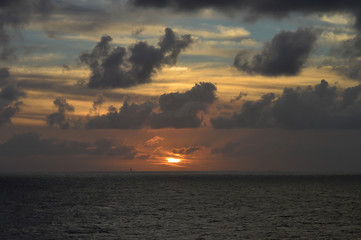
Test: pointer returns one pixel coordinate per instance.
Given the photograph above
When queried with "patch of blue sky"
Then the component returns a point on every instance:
(38, 43)
(204, 60)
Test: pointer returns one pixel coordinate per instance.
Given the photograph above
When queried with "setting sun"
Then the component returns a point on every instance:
(173, 160)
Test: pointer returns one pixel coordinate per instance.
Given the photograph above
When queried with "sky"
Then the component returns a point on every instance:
(180, 85)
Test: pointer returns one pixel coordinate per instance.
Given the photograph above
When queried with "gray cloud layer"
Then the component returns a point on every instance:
(176, 110)
(118, 67)
(320, 106)
(31, 144)
(285, 54)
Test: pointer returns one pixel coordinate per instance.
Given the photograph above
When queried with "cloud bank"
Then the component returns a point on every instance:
(173, 110)
(318, 107)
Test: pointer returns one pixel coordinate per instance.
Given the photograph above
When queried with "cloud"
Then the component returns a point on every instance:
(14, 15)
(176, 110)
(7, 111)
(66, 67)
(350, 51)
(255, 9)
(285, 54)
(9, 96)
(60, 117)
(239, 97)
(118, 67)
(31, 144)
(318, 107)
(181, 110)
(129, 116)
(98, 102)
(11, 92)
(253, 114)
(154, 140)
(4, 76)
(186, 150)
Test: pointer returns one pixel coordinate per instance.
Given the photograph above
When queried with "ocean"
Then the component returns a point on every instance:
(179, 206)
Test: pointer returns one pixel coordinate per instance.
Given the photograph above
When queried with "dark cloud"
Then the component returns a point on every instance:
(65, 67)
(11, 92)
(320, 106)
(7, 111)
(14, 14)
(129, 116)
(118, 67)
(350, 51)
(176, 110)
(285, 54)
(9, 96)
(138, 31)
(4, 76)
(60, 117)
(181, 110)
(253, 114)
(239, 97)
(351, 95)
(187, 150)
(31, 144)
(261, 8)
(98, 102)
(154, 141)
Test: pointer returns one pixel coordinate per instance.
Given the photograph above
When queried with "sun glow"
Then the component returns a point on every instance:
(173, 160)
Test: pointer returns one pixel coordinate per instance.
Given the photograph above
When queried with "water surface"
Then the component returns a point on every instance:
(179, 206)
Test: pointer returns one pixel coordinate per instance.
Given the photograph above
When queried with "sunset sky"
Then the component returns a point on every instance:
(180, 85)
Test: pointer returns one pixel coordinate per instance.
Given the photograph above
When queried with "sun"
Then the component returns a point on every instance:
(173, 160)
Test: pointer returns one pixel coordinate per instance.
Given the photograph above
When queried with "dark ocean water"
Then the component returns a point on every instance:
(180, 206)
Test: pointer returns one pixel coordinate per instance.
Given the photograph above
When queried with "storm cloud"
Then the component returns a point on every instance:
(119, 67)
(32, 144)
(285, 54)
(318, 107)
(173, 110)
(60, 118)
